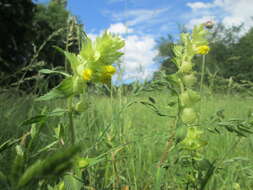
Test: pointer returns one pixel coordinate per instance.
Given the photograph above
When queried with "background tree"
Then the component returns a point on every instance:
(16, 35)
(230, 54)
(28, 33)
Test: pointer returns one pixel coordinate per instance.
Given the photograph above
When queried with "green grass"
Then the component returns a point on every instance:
(131, 140)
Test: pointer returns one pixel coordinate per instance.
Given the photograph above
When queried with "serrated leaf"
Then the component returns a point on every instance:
(72, 58)
(63, 90)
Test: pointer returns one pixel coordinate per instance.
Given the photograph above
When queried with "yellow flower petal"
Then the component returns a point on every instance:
(87, 74)
(109, 69)
(203, 50)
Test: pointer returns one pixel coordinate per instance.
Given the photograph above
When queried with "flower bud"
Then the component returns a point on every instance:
(189, 116)
(181, 133)
(78, 85)
(189, 97)
(189, 80)
(209, 24)
(81, 106)
(186, 67)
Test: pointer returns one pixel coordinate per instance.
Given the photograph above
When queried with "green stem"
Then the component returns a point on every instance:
(71, 122)
(202, 73)
(201, 82)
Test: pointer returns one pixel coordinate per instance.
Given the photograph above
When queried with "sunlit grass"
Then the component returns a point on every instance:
(133, 139)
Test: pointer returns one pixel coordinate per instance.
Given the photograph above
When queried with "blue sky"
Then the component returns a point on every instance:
(142, 22)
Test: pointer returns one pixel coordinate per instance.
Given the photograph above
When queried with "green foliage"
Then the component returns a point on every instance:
(95, 57)
(230, 54)
(68, 87)
(16, 34)
(30, 31)
(110, 125)
(53, 165)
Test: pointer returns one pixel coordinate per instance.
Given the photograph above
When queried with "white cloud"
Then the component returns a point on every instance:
(138, 59)
(92, 36)
(199, 5)
(239, 11)
(230, 12)
(119, 28)
(138, 16)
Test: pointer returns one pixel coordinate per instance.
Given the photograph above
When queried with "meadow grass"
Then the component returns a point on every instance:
(128, 140)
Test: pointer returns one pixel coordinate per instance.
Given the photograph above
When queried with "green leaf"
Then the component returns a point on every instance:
(57, 112)
(46, 148)
(155, 109)
(35, 119)
(48, 71)
(18, 165)
(208, 175)
(181, 133)
(63, 90)
(7, 144)
(72, 58)
(71, 182)
(108, 46)
(152, 100)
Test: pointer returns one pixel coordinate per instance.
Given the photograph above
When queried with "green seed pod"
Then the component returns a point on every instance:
(189, 116)
(78, 85)
(186, 67)
(181, 133)
(189, 97)
(81, 106)
(189, 80)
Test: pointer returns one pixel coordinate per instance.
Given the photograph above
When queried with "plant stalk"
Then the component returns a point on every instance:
(202, 74)
(201, 82)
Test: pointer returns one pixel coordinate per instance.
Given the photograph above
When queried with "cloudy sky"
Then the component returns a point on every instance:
(142, 22)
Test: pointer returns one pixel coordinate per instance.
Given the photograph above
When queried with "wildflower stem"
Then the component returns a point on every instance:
(201, 82)
(202, 73)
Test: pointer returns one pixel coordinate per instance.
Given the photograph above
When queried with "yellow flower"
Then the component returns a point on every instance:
(186, 67)
(203, 50)
(106, 74)
(87, 73)
(109, 69)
